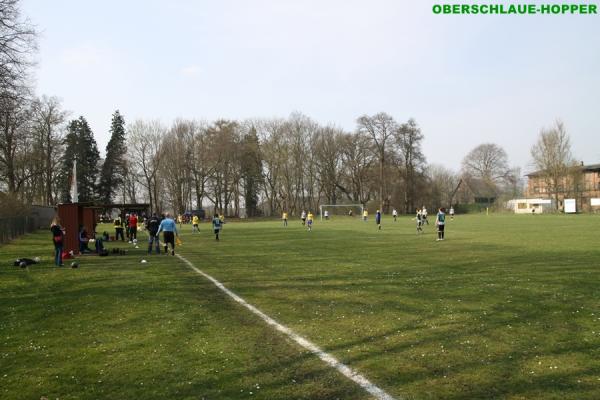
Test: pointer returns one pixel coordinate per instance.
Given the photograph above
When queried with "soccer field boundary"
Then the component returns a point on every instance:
(329, 359)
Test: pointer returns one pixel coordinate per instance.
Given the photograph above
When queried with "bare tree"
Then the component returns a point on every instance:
(328, 156)
(442, 183)
(14, 135)
(487, 162)
(380, 128)
(357, 168)
(553, 158)
(17, 44)
(146, 142)
(409, 138)
(48, 124)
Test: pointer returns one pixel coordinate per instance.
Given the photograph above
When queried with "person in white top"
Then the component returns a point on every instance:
(303, 217)
(419, 219)
(326, 214)
(424, 216)
(451, 211)
(395, 214)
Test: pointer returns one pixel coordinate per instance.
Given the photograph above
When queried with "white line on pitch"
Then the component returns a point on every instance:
(348, 372)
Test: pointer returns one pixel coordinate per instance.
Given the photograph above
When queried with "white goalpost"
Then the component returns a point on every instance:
(326, 206)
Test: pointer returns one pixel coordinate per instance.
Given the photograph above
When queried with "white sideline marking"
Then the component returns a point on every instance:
(333, 362)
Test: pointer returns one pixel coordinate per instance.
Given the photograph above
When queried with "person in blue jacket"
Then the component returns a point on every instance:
(169, 228)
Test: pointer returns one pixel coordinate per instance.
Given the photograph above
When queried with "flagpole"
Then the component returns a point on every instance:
(74, 191)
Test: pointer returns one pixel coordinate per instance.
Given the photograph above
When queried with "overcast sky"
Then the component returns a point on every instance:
(465, 79)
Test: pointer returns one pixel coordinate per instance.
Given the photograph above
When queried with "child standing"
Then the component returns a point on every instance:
(451, 212)
(303, 217)
(419, 222)
(217, 225)
(378, 219)
(365, 215)
(195, 221)
(440, 221)
(118, 224)
(309, 220)
(395, 214)
(284, 217)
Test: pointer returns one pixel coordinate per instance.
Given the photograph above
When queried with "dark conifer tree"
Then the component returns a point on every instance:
(80, 145)
(251, 166)
(113, 169)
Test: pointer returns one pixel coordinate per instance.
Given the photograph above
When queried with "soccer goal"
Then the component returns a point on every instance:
(341, 209)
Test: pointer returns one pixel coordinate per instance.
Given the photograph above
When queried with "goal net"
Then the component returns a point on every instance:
(353, 210)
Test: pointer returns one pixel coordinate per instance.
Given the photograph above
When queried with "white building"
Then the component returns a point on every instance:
(529, 206)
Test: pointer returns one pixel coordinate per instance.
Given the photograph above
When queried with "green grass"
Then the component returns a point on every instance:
(507, 307)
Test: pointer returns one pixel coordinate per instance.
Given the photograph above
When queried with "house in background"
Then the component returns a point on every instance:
(583, 187)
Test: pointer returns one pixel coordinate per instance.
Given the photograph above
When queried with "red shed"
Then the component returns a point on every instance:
(71, 216)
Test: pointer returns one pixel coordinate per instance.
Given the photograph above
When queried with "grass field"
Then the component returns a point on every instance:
(507, 307)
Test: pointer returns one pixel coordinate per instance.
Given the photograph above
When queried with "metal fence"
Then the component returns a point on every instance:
(13, 227)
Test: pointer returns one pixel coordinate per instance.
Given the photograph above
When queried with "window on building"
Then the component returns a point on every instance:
(521, 206)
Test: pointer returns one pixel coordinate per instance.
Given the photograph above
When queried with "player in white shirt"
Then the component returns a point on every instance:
(419, 219)
(451, 212)
(395, 214)
(424, 216)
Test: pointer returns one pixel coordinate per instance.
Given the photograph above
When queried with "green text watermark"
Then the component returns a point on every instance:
(521, 8)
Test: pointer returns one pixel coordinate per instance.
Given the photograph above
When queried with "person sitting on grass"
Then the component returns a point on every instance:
(440, 222)
(217, 225)
(83, 240)
(309, 220)
(169, 228)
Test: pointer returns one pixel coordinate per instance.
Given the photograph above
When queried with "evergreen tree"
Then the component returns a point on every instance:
(113, 169)
(251, 166)
(80, 145)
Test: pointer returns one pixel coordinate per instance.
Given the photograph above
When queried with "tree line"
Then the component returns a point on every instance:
(254, 166)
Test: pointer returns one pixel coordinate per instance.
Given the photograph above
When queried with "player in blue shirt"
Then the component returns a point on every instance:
(169, 228)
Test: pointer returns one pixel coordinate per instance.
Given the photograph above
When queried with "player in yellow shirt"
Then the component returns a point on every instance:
(195, 221)
(179, 220)
(365, 215)
(309, 220)
(284, 217)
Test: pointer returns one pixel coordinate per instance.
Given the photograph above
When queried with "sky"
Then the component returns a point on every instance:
(466, 80)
